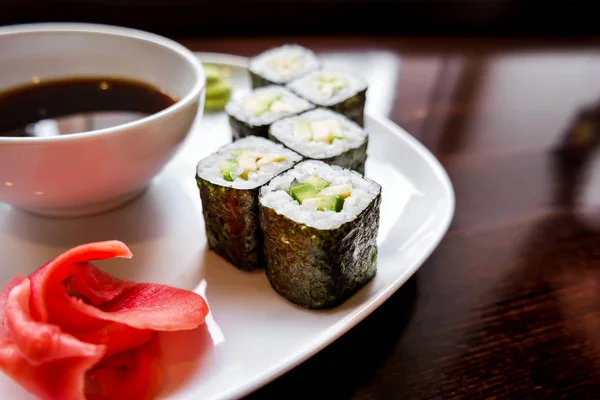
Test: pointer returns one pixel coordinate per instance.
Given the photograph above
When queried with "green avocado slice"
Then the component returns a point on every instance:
(326, 203)
(227, 167)
(302, 192)
(317, 182)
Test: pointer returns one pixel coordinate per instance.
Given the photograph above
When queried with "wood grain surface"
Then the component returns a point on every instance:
(508, 306)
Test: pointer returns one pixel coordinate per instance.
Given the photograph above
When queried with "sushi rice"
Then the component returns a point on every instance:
(308, 87)
(209, 168)
(296, 105)
(275, 195)
(302, 62)
(353, 135)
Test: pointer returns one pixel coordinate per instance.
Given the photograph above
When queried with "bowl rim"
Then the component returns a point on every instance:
(110, 30)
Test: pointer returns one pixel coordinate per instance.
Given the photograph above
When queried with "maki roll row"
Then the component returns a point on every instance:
(289, 193)
(311, 225)
(299, 69)
(315, 111)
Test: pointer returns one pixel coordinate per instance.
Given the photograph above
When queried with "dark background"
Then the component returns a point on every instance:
(243, 17)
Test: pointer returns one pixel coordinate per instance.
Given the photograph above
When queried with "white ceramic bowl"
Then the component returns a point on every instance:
(91, 172)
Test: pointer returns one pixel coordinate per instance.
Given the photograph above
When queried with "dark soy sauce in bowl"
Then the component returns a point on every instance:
(75, 105)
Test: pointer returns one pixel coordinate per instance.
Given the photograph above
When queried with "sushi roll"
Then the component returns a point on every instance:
(339, 91)
(320, 224)
(325, 135)
(281, 65)
(228, 181)
(252, 114)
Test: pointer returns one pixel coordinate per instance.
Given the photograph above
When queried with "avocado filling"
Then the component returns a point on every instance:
(330, 84)
(325, 131)
(265, 102)
(286, 64)
(243, 162)
(317, 193)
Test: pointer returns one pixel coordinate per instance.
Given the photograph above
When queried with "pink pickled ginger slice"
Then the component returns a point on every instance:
(39, 356)
(70, 318)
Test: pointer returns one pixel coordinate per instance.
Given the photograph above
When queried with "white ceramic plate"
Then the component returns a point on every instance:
(253, 335)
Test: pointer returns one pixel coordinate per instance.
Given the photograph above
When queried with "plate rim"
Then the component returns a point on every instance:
(343, 325)
(351, 321)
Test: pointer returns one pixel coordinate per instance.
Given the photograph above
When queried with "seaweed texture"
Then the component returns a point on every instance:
(259, 81)
(353, 159)
(240, 129)
(353, 107)
(316, 268)
(232, 224)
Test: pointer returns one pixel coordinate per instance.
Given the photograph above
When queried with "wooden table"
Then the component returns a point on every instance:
(508, 306)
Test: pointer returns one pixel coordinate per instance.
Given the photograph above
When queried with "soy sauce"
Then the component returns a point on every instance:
(66, 106)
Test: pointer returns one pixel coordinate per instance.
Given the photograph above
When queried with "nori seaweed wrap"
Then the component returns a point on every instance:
(280, 65)
(320, 225)
(228, 181)
(325, 135)
(252, 114)
(339, 91)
